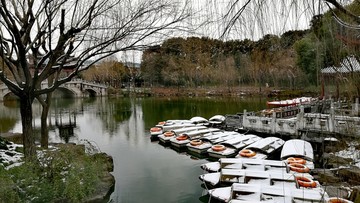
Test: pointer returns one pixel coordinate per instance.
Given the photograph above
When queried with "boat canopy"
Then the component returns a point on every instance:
(297, 148)
(199, 120)
(217, 119)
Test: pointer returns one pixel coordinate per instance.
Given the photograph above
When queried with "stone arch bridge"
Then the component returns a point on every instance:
(79, 88)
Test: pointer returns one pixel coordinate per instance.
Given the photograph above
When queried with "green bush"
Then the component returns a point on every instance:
(63, 175)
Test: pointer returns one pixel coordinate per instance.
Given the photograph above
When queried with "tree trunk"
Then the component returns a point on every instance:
(27, 128)
(44, 115)
(44, 126)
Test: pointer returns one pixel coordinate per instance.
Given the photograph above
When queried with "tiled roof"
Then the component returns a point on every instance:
(348, 65)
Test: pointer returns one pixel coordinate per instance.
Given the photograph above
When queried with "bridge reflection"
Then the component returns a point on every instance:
(65, 122)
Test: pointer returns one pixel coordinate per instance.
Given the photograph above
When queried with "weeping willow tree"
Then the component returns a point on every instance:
(335, 26)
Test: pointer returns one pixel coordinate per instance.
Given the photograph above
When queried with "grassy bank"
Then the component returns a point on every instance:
(63, 173)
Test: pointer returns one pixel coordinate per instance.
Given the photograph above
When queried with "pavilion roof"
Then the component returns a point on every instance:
(348, 65)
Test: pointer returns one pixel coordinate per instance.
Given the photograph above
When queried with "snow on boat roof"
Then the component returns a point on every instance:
(212, 178)
(253, 161)
(219, 134)
(198, 119)
(172, 122)
(242, 139)
(267, 145)
(246, 201)
(187, 128)
(217, 119)
(200, 131)
(246, 142)
(223, 138)
(276, 175)
(297, 147)
(211, 166)
(223, 193)
(249, 191)
(333, 139)
(176, 126)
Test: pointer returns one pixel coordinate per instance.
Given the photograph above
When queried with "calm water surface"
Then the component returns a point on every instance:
(145, 171)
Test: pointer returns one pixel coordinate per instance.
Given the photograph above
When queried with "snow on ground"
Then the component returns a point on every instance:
(351, 152)
(10, 158)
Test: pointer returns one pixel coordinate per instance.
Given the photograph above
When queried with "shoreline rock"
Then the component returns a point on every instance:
(106, 187)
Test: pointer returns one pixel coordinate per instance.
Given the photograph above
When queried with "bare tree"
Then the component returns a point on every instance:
(39, 39)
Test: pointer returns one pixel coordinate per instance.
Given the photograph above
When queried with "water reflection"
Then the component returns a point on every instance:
(144, 170)
(65, 123)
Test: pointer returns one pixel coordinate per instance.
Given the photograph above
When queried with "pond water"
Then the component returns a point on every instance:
(144, 170)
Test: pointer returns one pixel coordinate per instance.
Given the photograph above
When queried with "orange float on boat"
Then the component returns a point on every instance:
(168, 134)
(301, 168)
(218, 147)
(305, 182)
(292, 160)
(155, 129)
(337, 200)
(161, 123)
(247, 153)
(182, 137)
(196, 142)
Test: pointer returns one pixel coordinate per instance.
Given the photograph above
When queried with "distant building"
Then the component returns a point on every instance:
(70, 64)
(348, 70)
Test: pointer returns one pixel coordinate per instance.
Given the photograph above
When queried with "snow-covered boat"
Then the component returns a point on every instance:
(185, 138)
(251, 174)
(209, 139)
(216, 121)
(166, 136)
(169, 125)
(261, 149)
(296, 151)
(230, 147)
(290, 102)
(259, 193)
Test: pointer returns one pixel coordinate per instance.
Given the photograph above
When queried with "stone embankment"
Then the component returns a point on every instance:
(106, 187)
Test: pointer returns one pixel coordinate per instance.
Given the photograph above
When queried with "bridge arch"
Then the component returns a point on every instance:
(79, 88)
(90, 92)
(64, 93)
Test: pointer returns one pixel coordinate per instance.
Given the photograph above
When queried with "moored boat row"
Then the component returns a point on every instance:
(260, 180)
(164, 126)
(243, 172)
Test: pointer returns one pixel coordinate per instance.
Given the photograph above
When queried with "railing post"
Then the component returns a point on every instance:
(356, 107)
(300, 119)
(244, 117)
(273, 123)
(332, 118)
